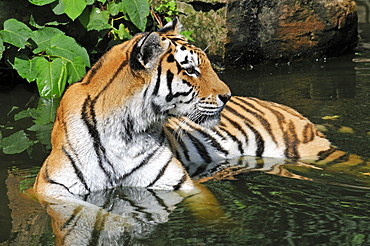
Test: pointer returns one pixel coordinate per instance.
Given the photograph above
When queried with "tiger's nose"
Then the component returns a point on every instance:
(224, 98)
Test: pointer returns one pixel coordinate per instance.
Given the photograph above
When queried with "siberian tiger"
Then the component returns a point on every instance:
(152, 104)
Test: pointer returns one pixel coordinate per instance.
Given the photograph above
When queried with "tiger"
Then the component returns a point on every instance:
(152, 106)
(108, 130)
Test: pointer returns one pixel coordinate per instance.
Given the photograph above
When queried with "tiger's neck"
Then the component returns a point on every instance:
(136, 123)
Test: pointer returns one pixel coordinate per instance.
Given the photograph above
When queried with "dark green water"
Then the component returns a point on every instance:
(260, 209)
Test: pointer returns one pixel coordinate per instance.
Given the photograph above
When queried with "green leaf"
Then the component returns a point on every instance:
(16, 143)
(114, 8)
(90, 2)
(43, 133)
(66, 47)
(26, 68)
(59, 8)
(102, 1)
(187, 35)
(137, 10)
(34, 23)
(15, 33)
(51, 77)
(84, 18)
(74, 8)
(42, 38)
(98, 20)
(41, 2)
(30, 112)
(45, 111)
(75, 69)
(122, 32)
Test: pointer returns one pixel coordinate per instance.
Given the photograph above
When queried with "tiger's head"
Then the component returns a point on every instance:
(148, 79)
(180, 78)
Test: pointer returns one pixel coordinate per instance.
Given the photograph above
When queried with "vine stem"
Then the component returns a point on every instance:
(156, 17)
(53, 56)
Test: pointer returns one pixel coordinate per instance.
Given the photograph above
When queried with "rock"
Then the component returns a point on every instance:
(239, 32)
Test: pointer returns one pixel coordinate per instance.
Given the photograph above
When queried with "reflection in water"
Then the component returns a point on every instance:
(119, 216)
(337, 168)
(134, 216)
(124, 216)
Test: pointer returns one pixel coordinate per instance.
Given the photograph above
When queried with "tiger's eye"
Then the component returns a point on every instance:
(190, 70)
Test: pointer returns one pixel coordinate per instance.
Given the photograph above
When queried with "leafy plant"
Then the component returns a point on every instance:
(167, 8)
(23, 140)
(48, 54)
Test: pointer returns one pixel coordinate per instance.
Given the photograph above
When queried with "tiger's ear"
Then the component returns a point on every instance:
(172, 28)
(147, 51)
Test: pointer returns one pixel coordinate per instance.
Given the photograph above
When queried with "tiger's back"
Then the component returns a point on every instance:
(248, 127)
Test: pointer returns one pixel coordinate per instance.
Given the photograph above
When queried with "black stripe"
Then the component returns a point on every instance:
(177, 94)
(128, 124)
(202, 150)
(244, 101)
(100, 221)
(158, 82)
(239, 127)
(51, 181)
(89, 118)
(191, 98)
(217, 131)
(160, 201)
(291, 142)
(259, 140)
(93, 71)
(325, 153)
(145, 92)
(142, 164)
(76, 169)
(111, 80)
(170, 58)
(180, 183)
(209, 139)
(170, 76)
(173, 42)
(236, 113)
(308, 133)
(261, 118)
(143, 210)
(200, 169)
(69, 221)
(183, 147)
(69, 225)
(160, 173)
(343, 158)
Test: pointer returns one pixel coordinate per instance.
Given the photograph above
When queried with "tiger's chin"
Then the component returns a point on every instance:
(207, 120)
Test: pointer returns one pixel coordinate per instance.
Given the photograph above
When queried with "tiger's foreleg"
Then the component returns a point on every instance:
(202, 204)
